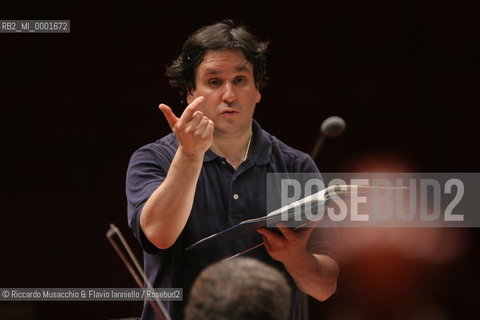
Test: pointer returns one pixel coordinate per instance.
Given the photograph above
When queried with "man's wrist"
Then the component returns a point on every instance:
(303, 261)
(190, 156)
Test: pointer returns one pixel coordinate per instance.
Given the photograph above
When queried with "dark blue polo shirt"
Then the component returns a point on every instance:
(223, 198)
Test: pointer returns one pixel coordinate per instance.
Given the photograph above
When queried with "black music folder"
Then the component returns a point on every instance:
(292, 215)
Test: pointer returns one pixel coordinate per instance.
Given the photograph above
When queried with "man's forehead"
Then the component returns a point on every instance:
(218, 61)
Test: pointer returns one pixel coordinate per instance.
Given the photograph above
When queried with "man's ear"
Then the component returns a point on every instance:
(189, 97)
(258, 97)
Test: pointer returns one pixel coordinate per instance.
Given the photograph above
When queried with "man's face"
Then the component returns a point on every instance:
(225, 78)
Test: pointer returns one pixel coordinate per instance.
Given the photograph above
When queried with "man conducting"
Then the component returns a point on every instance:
(211, 172)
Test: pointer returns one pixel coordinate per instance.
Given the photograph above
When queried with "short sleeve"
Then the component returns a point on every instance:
(147, 170)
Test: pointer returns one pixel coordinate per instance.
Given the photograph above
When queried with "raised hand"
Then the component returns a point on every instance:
(194, 131)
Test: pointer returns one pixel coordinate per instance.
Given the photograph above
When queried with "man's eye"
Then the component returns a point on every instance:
(240, 80)
(214, 82)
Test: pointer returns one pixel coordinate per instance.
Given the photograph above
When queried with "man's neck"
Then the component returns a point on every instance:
(234, 149)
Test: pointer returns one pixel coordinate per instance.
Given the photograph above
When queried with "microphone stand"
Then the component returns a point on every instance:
(318, 145)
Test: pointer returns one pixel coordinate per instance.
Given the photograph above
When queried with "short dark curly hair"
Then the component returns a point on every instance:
(219, 36)
(239, 289)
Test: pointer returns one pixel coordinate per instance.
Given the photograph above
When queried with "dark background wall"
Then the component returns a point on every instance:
(403, 74)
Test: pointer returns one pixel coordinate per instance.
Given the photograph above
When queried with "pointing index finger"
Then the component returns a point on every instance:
(169, 115)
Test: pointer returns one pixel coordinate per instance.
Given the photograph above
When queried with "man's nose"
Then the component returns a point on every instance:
(228, 93)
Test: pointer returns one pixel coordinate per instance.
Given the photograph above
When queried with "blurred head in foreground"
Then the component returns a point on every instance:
(238, 289)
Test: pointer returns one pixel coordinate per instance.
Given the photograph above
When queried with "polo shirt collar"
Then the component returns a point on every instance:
(210, 155)
(261, 147)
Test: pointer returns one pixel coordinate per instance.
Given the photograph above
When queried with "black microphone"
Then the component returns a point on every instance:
(331, 127)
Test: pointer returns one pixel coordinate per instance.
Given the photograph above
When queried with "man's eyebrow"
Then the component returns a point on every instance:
(211, 71)
(241, 68)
